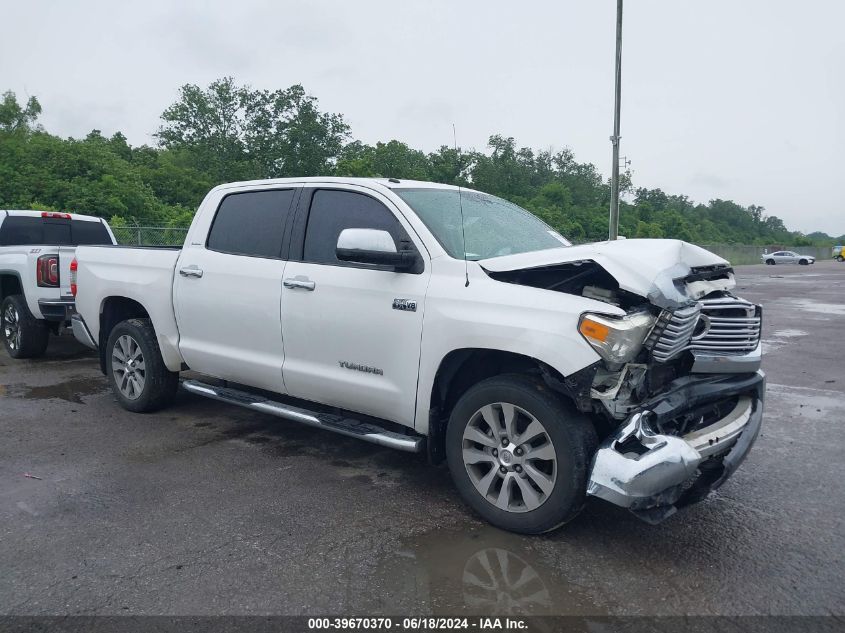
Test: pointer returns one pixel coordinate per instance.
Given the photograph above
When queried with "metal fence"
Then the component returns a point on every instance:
(149, 235)
(737, 254)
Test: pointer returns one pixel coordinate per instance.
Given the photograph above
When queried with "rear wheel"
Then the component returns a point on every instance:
(23, 335)
(137, 373)
(518, 455)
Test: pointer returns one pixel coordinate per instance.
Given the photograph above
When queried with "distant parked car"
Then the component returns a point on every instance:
(787, 257)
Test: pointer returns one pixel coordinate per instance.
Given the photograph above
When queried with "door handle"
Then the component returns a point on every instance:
(299, 283)
(190, 271)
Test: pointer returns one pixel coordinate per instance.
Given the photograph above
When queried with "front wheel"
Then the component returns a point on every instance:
(770, 262)
(840, 259)
(518, 455)
(803, 262)
(139, 378)
(23, 335)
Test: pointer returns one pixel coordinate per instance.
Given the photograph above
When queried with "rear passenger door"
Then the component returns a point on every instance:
(227, 291)
(350, 339)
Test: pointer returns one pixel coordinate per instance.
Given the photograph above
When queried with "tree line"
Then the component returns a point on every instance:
(227, 132)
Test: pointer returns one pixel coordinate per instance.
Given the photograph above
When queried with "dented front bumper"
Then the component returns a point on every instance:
(653, 474)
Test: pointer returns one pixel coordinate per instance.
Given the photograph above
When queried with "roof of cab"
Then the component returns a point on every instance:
(388, 183)
(36, 214)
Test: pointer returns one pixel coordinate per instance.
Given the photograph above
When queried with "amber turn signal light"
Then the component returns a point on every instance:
(592, 329)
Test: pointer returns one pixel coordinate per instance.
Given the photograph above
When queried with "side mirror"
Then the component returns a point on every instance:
(372, 246)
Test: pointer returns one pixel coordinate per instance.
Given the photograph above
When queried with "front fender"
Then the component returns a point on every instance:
(488, 314)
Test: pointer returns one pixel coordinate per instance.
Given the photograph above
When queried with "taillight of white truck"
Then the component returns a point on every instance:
(74, 266)
(47, 271)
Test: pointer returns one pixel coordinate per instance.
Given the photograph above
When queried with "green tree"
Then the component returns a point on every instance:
(233, 132)
(208, 123)
(17, 118)
(285, 133)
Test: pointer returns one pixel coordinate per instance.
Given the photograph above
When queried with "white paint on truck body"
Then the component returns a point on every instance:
(343, 344)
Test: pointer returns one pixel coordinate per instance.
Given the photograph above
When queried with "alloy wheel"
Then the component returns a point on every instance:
(509, 457)
(12, 327)
(128, 367)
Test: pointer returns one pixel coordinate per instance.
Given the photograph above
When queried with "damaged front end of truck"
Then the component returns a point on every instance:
(678, 395)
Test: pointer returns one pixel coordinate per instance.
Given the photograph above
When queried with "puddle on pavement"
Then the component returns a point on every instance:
(779, 338)
(808, 305)
(807, 403)
(481, 571)
(70, 390)
(788, 333)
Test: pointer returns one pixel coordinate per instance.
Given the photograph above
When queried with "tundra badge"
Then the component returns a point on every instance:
(358, 367)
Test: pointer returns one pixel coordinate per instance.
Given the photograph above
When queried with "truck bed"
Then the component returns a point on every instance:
(140, 274)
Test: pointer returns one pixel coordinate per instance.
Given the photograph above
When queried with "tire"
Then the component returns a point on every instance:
(803, 262)
(136, 371)
(23, 335)
(840, 259)
(770, 262)
(567, 437)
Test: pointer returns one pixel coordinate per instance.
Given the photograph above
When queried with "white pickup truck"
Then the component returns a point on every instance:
(425, 317)
(36, 249)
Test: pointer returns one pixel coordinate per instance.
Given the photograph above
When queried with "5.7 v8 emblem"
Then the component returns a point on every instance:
(405, 304)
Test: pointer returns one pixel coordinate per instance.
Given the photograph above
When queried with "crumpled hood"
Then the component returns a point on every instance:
(646, 267)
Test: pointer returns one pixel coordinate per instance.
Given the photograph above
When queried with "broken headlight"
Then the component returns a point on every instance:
(617, 340)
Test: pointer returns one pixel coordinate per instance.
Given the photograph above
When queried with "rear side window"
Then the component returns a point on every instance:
(21, 231)
(251, 223)
(87, 232)
(332, 211)
(18, 230)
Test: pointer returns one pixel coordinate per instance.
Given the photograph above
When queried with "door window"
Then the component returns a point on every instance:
(251, 223)
(332, 211)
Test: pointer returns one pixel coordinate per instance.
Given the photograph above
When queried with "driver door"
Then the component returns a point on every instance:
(350, 340)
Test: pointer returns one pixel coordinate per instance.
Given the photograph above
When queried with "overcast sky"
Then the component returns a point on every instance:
(730, 99)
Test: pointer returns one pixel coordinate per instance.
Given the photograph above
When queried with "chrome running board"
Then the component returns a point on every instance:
(330, 422)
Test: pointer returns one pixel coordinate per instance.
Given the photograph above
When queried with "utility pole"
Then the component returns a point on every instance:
(613, 233)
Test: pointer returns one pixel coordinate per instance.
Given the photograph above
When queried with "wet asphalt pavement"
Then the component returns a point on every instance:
(206, 508)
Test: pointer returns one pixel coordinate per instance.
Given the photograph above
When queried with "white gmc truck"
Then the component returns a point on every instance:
(424, 317)
(36, 250)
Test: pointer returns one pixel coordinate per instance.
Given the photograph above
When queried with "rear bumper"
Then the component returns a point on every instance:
(80, 331)
(654, 474)
(56, 310)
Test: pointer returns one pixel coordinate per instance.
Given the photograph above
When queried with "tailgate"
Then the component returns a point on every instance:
(66, 255)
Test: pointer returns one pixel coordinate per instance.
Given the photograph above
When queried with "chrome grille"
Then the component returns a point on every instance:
(730, 326)
(723, 325)
(673, 332)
